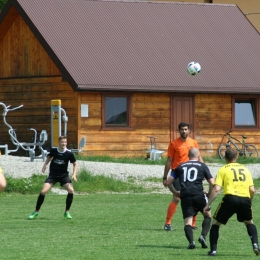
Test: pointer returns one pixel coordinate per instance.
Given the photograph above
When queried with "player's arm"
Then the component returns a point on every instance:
(75, 169)
(252, 192)
(167, 168)
(46, 163)
(211, 185)
(213, 194)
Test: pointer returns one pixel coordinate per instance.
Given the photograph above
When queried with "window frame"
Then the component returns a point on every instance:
(257, 112)
(105, 126)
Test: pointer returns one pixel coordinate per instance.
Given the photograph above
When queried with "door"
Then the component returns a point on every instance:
(182, 110)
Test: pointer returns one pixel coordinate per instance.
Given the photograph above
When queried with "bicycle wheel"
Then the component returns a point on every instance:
(222, 149)
(251, 151)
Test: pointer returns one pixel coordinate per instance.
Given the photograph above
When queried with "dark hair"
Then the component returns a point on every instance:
(183, 124)
(62, 137)
(230, 154)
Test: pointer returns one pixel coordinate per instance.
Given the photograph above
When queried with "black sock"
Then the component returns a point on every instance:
(69, 201)
(252, 232)
(189, 233)
(39, 202)
(213, 237)
(205, 226)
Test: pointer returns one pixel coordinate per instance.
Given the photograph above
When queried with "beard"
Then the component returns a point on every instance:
(184, 135)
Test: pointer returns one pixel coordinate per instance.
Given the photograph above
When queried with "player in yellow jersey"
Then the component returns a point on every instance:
(237, 182)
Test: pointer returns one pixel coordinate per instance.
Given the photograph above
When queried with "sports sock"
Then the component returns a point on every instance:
(189, 233)
(39, 202)
(213, 237)
(194, 221)
(205, 226)
(69, 200)
(252, 232)
(170, 212)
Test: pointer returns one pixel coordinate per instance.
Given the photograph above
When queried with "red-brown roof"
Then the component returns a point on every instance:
(146, 46)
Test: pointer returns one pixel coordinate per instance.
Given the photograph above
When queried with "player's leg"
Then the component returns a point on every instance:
(172, 207)
(188, 211)
(189, 231)
(224, 211)
(46, 187)
(69, 187)
(170, 212)
(200, 202)
(245, 215)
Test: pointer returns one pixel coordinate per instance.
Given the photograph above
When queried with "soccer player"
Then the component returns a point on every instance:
(191, 175)
(2, 181)
(238, 186)
(178, 153)
(59, 157)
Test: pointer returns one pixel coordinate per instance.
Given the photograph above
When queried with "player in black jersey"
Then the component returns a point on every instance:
(59, 157)
(191, 175)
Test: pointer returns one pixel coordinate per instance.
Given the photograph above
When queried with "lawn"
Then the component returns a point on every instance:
(108, 226)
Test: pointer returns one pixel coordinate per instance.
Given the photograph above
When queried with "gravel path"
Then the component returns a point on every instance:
(21, 167)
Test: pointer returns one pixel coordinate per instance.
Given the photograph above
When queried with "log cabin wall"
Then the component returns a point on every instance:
(213, 114)
(150, 117)
(29, 77)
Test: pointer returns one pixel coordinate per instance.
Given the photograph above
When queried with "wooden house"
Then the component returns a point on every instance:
(126, 63)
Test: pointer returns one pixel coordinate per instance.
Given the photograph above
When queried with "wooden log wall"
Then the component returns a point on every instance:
(36, 94)
(28, 76)
(213, 113)
(150, 117)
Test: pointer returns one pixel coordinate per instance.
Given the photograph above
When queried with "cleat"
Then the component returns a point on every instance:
(212, 253)
(34, 215)
(202, 241)
(167, 227)
(194, 228)
(256, 249)
(67, 215)
(191, 245)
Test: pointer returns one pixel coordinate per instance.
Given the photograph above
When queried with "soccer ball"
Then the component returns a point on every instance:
(193, 68)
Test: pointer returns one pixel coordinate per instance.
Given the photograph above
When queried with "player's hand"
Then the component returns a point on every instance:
(43, 168)
(165, 183)
(177, 194)
(206, 208)
(74, 178)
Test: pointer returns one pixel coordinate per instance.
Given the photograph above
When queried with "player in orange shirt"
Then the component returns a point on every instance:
(178, 153)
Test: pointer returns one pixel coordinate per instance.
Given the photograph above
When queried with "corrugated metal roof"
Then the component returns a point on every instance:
(146, 46)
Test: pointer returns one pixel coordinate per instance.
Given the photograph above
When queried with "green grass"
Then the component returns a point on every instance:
(143, 160)
(108, 226)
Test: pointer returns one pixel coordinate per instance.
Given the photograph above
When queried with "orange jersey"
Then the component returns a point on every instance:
(178, 150)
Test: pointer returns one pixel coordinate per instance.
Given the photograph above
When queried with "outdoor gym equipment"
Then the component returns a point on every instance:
(56, 127)
(30, 147)
(153, 153)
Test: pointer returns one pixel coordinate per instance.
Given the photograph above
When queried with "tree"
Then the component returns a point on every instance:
(2, 4)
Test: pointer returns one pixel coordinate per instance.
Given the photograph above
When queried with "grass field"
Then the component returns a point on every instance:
(108, 226)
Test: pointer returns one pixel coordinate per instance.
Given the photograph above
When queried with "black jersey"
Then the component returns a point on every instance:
(59, 162)
(191, 175)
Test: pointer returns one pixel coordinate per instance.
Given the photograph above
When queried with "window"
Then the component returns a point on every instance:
(116, 111)
(245, 112)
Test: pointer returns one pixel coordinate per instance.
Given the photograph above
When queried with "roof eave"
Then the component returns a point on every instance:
(65, 74)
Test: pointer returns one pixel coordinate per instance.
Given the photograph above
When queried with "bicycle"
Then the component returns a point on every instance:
(246, 150)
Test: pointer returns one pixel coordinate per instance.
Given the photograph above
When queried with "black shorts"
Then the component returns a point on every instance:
(176, 184)
(231, 205)
(191, 205)
(61, 180)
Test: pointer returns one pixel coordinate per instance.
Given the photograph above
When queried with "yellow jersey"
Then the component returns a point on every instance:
(235, 179)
